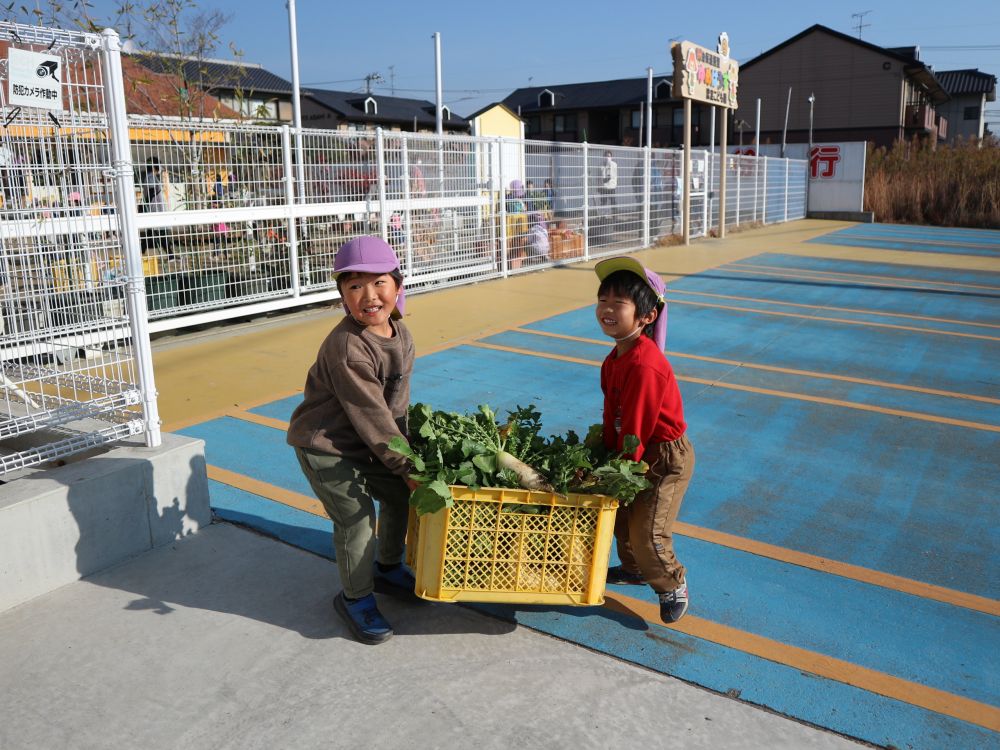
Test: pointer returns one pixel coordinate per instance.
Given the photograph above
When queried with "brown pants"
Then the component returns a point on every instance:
(644, 529)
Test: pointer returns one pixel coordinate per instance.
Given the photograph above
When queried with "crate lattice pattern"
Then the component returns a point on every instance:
(488, 549)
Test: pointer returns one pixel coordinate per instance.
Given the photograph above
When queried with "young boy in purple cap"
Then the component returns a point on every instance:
(355, 401)
(641, 398)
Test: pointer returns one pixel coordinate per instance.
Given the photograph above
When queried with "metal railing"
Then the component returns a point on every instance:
(227, 232)
(74, 348)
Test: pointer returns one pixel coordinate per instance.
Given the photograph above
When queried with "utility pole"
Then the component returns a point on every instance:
(372, 78)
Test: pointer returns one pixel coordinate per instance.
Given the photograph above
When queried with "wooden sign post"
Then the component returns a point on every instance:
(710, 77)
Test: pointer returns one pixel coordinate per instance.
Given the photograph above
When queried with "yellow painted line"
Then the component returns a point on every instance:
(227, 412)
(838, 670)
(784, 370)
(873, 279)
(984, 245)
(267, 491)
(842, 569)
(246, 416)
(836, 309)
(846, 321)
(766, 391)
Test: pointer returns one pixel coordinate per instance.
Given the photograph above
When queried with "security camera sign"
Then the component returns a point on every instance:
(34, 79)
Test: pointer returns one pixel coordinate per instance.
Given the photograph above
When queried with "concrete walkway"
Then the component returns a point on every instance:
(227, 639)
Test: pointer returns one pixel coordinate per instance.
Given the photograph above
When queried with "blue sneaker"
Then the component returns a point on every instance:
(674, 604)
(396, 581)
(363, 618)
(619, 576)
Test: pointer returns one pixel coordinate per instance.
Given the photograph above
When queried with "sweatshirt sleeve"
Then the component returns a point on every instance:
(362, 395)
(643, 394)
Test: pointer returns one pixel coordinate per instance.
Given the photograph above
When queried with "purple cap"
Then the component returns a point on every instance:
(367, 254)
(622, 263)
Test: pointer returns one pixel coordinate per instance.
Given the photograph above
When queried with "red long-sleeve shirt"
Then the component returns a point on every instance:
(641, 398)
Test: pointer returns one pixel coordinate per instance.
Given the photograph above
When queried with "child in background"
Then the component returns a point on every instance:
(356, 399)
(641, 398)
(538, 237)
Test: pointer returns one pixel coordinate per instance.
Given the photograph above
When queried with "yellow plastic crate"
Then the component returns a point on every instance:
(480, 550)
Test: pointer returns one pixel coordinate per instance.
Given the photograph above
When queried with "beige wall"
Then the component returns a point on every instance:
(852, 86)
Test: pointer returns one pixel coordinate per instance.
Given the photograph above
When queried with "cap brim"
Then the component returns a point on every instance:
(368, 268)
(608, 266)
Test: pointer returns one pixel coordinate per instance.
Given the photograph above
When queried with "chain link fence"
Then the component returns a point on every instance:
(74, 350)
(226, 230)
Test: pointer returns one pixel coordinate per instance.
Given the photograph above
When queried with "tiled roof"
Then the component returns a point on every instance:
(390, 109)
(968, 81)
(622, 92)
(234, 75)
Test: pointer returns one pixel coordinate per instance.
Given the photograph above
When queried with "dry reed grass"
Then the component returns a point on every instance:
(955, 186)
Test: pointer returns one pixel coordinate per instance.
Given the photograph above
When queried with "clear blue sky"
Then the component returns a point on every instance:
(489, 49)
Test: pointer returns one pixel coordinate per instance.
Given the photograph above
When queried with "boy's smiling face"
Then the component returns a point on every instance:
(616, 314)
(370, 298)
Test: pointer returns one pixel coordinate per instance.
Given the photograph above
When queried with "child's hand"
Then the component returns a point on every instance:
(411, 484)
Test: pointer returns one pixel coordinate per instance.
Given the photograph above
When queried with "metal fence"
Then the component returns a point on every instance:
(226, 231)
(74, 350)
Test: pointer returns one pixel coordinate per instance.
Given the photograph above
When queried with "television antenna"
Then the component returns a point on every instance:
(860, 21)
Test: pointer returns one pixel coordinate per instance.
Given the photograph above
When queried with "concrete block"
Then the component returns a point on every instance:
(58, 525)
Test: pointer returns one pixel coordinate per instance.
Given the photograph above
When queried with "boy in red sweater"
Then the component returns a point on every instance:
(641, 398)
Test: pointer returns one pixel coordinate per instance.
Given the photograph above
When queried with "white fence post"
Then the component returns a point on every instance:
(292, 221)
(763, 196)
(586, 204)
(786, 189)
(503, 210)
(380, 161)
(647, 194)
(128, 211)
(739, 172)
(405, 158)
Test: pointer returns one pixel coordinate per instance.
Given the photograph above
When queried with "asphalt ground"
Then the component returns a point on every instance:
(841, 388)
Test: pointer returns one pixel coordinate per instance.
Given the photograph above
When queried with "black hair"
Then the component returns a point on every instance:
(395, 273)
(629, 286)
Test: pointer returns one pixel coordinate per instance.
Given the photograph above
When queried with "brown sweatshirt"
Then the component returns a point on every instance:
(356, 395)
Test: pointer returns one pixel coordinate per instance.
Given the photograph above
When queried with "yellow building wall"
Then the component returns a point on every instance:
(498, 122)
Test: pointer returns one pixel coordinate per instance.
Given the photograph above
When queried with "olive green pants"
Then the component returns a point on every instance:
(644, 528)
(348, 489)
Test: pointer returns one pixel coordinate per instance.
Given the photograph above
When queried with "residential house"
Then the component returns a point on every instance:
(350, 110)
(861, 91)
(969, 90)
(246, 88)
(607, 112)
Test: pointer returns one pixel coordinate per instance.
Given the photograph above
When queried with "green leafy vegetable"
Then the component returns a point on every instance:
(478, 451)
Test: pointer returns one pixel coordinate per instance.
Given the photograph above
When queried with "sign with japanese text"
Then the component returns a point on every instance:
(706, 75)
(34, 79)
(836, 171)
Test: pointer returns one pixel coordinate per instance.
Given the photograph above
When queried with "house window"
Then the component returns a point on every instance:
(565, 124)
(971, 113)
(546, 99)
(371, 106)
(445, 113)
(663, 90)
(638, 120)
(533, 125)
